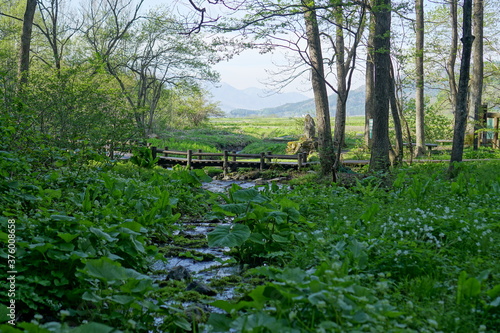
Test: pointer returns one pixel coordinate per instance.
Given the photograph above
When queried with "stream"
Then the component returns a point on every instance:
(200, 272)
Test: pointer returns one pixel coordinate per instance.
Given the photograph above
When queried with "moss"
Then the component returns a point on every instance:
(171, 250)
(226, 281)
(171, 287)
(192, 241)
(199, 256)
(212, 172)
(189, 296)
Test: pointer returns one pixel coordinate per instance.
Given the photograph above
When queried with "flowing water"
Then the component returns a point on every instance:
(207, 270)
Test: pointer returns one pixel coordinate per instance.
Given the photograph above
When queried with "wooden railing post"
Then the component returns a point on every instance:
(153, 152)
(299, 160)
(199, 152)
(262, 161)
(189, 158)
(268, 159)
(234, 164)
(225, 162)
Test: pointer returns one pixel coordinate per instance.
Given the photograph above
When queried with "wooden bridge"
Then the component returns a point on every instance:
(229, 161)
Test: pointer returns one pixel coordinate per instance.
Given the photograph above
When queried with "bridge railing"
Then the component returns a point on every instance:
(227, 160)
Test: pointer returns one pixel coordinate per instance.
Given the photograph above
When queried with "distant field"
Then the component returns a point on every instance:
(274, 127)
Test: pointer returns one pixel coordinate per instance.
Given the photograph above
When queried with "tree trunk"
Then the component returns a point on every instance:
(395, 111)
(369, 82)
(461, 106)
(325, 146)
(450, 65)
(476, 85)
(342, 92)
(419, 93)
(382, 64)
(24, 54)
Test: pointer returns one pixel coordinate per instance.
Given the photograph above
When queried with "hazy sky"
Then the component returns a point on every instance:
(247, 69)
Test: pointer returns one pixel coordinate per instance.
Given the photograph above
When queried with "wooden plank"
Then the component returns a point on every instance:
(208, 154)
(245, 155)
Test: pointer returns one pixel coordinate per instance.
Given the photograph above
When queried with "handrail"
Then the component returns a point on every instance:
(229, 159)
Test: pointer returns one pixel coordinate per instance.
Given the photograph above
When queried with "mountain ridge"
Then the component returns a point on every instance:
(355, 107)
(231, 98)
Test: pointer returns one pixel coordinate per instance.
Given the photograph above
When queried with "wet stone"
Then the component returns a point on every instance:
(201, 288)
(179, 273)
(197, 312)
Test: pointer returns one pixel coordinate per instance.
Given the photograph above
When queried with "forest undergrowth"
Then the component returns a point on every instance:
(408, 251)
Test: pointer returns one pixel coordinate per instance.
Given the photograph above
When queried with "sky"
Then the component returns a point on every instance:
(248, 69)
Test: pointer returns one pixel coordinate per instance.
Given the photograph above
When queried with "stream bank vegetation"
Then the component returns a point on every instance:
(406, 251)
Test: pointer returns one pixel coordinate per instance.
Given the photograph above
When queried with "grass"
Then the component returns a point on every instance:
(251, 135)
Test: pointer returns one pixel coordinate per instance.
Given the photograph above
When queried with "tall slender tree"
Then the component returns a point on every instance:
(24, 54)
(325, 143)
(345, 56)
(476, 86)
(419, 93)
(379, 160)
(369, 82)
(461, 106)
(452, 56)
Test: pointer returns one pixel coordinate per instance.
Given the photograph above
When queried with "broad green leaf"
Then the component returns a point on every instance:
(138, 245)
(293, 214)
(219, 322)
(494, 292)
(62, 218)
(8, 328)
(370, 213)
(67, 237)
(231, 209)
(182, 323)
(134, 226)
(361, 317)
(30, 327)
(123, 299)
(101, 234)
(110, 270)
(472, 287)
(276, 216)
(280, 239)
(249, 195)
(258, 322)
(229, 235)
(41, 247)
(319, 298)
(54, 194)
(91, 297)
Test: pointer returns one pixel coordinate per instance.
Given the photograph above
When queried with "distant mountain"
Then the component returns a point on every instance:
(355, 107)
(231, 98)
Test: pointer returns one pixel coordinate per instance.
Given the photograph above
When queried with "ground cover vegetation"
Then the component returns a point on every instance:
(409, 249)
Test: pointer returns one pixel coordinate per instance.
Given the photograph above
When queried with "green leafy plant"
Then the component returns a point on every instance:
(262, 227)
(143, 157)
